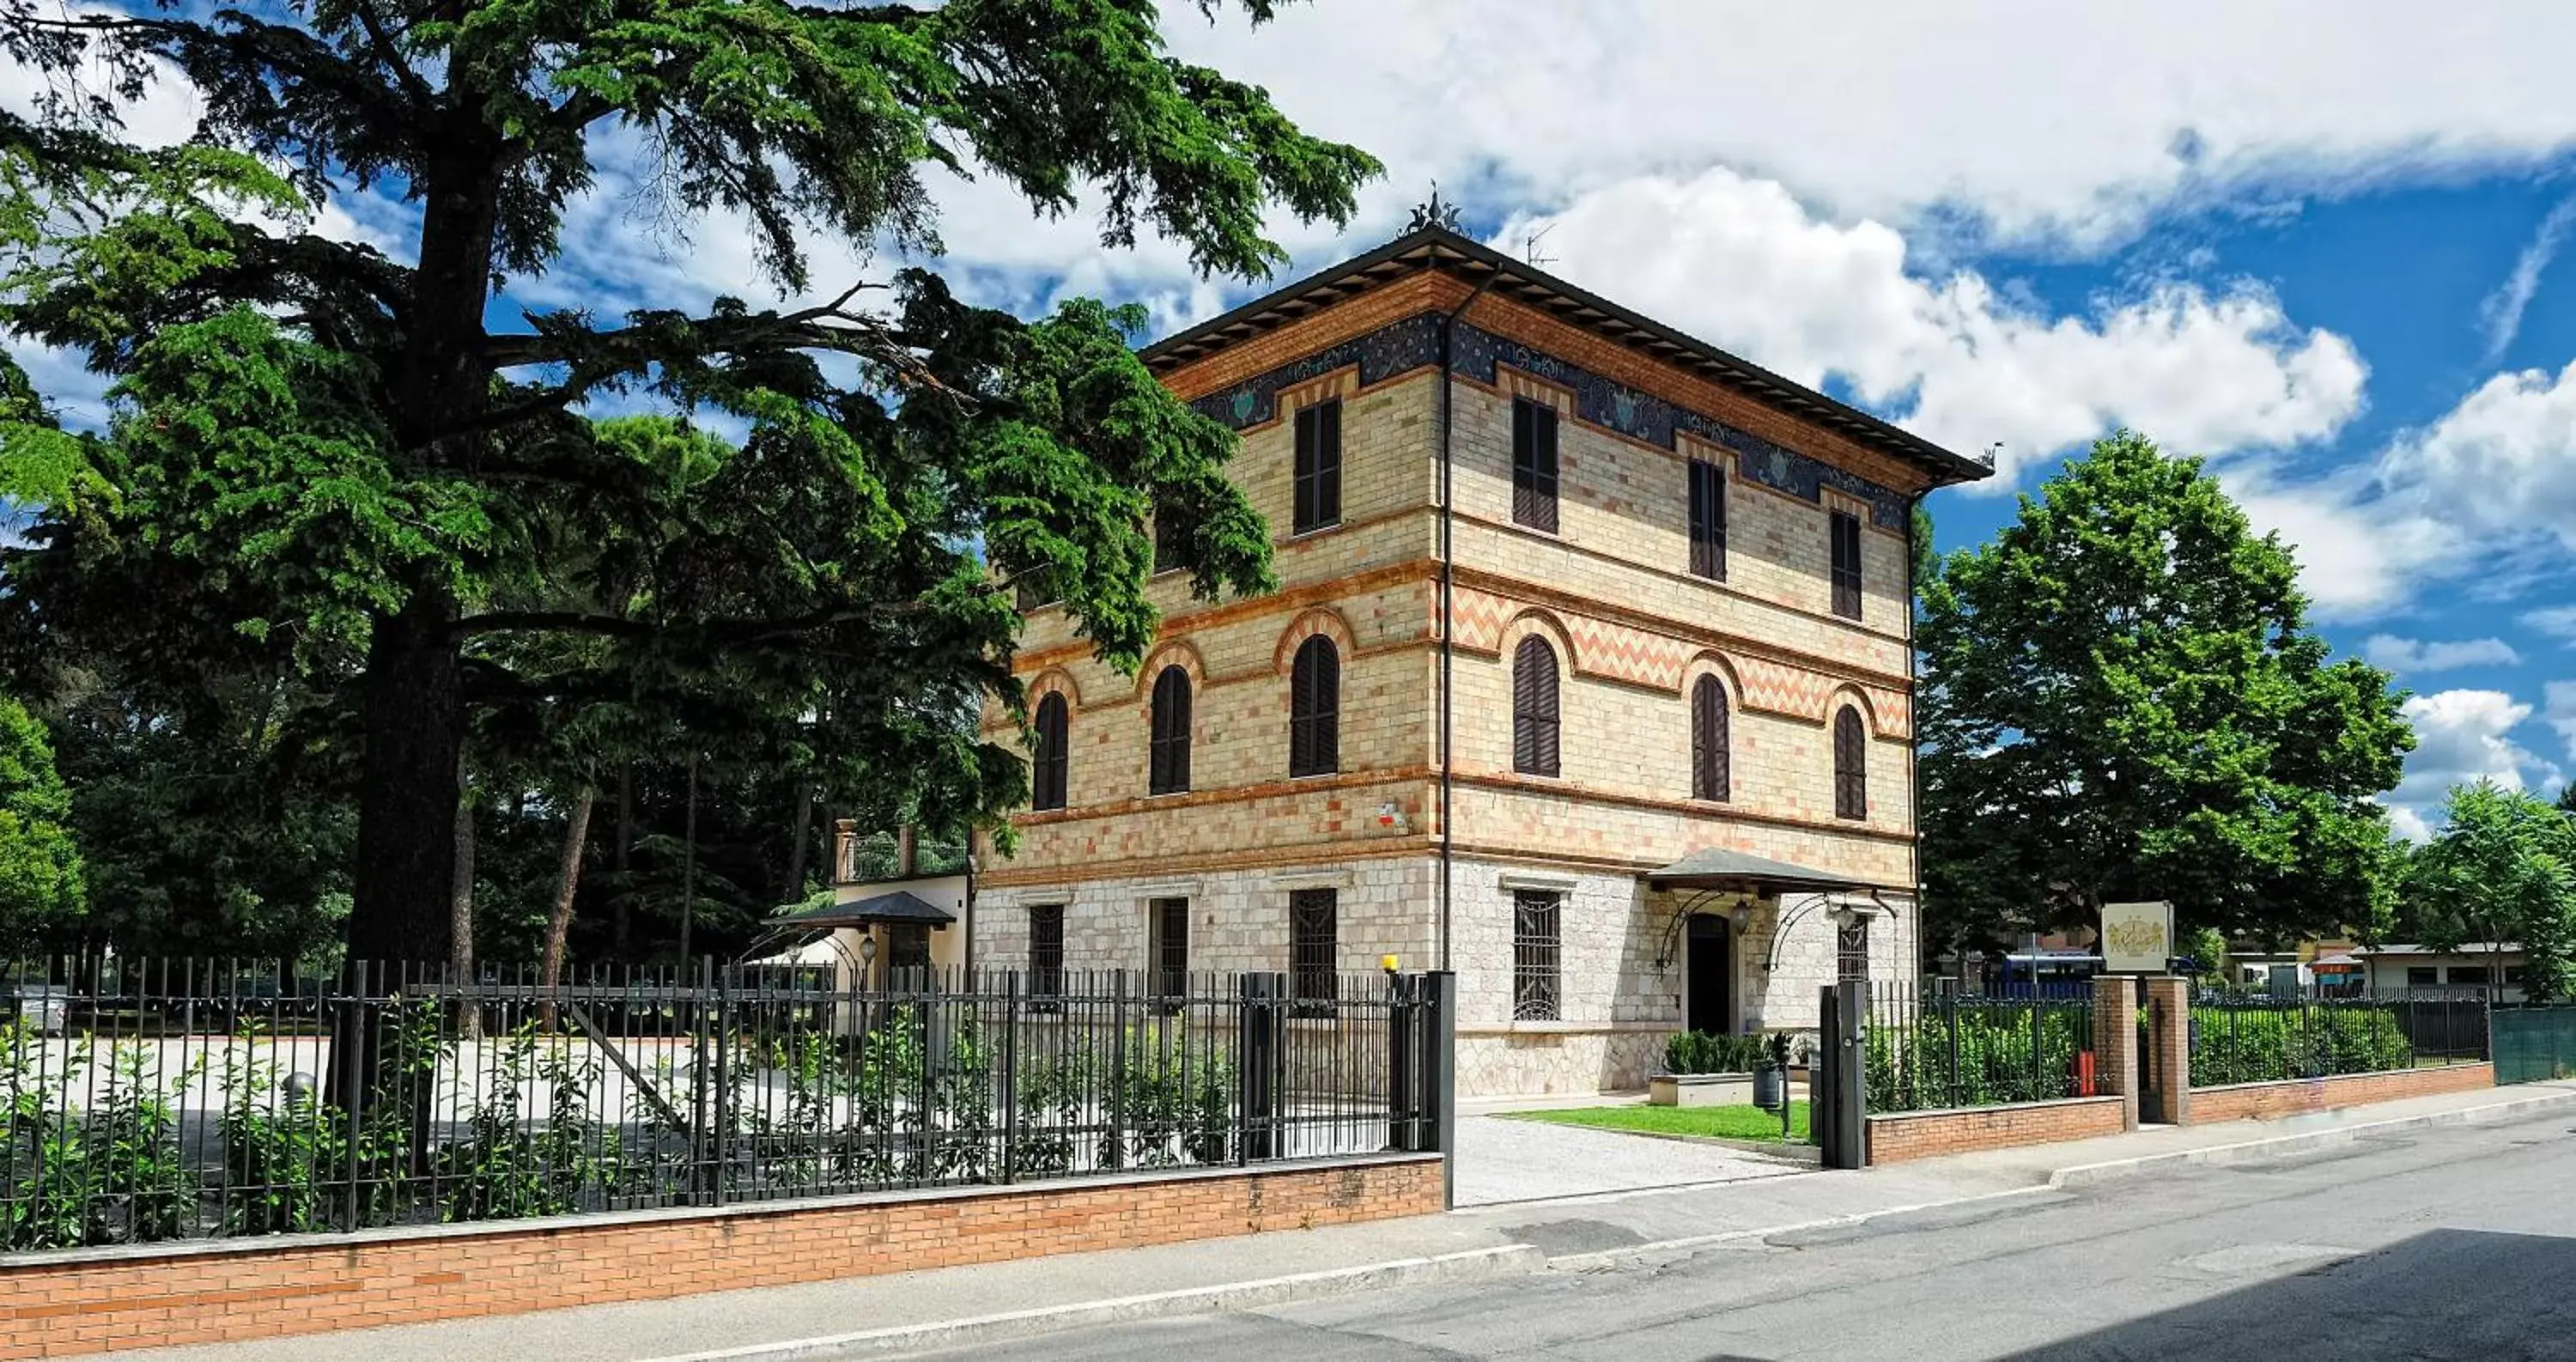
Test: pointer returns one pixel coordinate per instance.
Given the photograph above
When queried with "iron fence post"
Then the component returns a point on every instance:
(353, 1028)
(1438, 1064)
(1257, 1061)
(1404, 1128)
(1010, 1076)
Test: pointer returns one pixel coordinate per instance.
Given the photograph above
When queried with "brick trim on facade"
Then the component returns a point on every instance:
(2271, 1101)
(1904, 1136)
(97, 1300)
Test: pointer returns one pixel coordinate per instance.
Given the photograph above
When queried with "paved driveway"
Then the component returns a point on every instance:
(1500, 1159)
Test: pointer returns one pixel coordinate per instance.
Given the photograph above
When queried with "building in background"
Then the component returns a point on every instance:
(1589, 676)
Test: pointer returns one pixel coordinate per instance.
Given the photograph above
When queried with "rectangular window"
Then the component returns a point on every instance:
(2469, 974)
(1707, 520)
(1313, 948)
(2422, 976)
(1171, 946)
(1534, 464)
(1171, 537)
(1319, 466)
(1851, 951)
(1535, 955)
(908, 951)
(1046, 950)
(1846, 532)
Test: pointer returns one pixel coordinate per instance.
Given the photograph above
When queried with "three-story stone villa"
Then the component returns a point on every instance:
(1589, 677)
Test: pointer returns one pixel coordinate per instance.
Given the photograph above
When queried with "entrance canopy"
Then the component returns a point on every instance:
(898, 906)
(1717, 868)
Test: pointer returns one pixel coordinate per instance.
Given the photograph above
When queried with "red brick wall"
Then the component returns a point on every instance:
(53, 1305)
(2267, 1101)
(1930, 1134)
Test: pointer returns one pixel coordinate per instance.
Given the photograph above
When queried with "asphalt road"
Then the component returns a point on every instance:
(2446, 1242)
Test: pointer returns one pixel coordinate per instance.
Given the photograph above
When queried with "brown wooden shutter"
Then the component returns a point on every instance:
(1534, 708)
(1707, 520)
(1533, 464)
(1709, 739)
(1314, 705)
(1851, 766)
(1048, 776)
(1168, 764)
(1846, 563)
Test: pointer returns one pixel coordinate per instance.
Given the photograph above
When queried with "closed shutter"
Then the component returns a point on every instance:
(1851, 766)
(1318, 472)
(1709, 740)
(1846, 570)
(1314, 709)
(1049, 774)
(1707, 520)
(1534, 708)
(1533, 464)
(1168, 763)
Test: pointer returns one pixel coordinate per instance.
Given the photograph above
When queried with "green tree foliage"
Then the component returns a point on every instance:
(2121, 699)
(324, 466)
(42, 891)
(2502, 869)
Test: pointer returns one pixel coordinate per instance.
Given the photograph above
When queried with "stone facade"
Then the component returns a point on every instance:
(1633, 631)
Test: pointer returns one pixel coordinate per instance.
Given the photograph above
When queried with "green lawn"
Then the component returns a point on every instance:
(1733, 1123)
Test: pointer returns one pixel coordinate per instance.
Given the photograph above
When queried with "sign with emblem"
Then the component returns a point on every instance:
(2137, 938)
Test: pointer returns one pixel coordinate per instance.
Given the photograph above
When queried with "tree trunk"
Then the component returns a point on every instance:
(460, 919)
(625, 846)
(567, 882)
(403, 890)
(796, 849)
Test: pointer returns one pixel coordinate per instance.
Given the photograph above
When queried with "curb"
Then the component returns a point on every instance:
(2247, 1151)
(1471, 1265)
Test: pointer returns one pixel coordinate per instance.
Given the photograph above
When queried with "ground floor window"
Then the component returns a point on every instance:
(1536, 957)
(1046, 950)
(1851, 951)
(1171, 948)
(1312, 945)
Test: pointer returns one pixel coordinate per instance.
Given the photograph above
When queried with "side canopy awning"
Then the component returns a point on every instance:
(1743, 872)
(899, 906)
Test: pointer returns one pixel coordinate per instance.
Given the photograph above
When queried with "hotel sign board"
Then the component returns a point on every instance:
(2137, 938)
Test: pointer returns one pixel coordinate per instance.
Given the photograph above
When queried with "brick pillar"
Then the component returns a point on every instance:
(2169, 1050)
(2115, 1043)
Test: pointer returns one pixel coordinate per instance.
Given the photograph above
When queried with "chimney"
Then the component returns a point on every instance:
(904, 849)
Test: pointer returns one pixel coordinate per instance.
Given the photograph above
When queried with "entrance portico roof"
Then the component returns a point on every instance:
(1719, 868)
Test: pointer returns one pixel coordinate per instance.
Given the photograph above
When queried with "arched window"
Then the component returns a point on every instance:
(1710, 777)
(1169, 766)
(1047, 771)
(1534, 717)
(1851, 766)
(1315, 709)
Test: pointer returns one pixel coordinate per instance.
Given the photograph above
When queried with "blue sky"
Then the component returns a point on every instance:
(2320, 244)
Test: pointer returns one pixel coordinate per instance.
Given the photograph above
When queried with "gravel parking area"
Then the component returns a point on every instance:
(1502, 1160)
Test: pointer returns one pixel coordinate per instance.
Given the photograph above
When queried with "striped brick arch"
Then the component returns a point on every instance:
(1168, 653)
(1053, 681)
(1320, 620)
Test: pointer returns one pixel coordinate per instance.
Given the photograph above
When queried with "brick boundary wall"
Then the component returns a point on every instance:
(2268, 1101)
(94, 1300)
(1902, 1136)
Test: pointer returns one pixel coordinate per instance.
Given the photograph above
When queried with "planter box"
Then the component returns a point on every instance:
(1700, 1090)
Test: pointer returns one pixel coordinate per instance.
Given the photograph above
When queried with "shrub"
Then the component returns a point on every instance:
(1976, 1056)
(1700, 1052)
(2264, 1043)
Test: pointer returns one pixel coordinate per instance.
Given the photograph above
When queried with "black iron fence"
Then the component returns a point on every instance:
(1928, 1051)
(2260, 1037)
(169, 1100)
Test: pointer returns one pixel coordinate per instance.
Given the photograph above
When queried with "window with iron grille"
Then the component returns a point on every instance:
(1319, 466)
(1846, 532)
(1170, 977)
(1535, 955)
(1047, 769)
(1534, 710)
(1315, 709)
(1851, 951)
(1313, 947)
(1707, 520)
(1168, 757)
(1534, 464)
(1046, 950)
(1710, 737)
(1851, 766)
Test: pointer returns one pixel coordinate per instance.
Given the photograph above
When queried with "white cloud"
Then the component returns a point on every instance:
(2486, 492)
(2071, 122)
(2408, 824)
(2461, 736)
(2561, 712)
(2391, 653)
(1742, 263)
(2501, 312)
(2557, 621)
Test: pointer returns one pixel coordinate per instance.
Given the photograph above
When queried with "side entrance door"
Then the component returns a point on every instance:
(1709, 1003)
